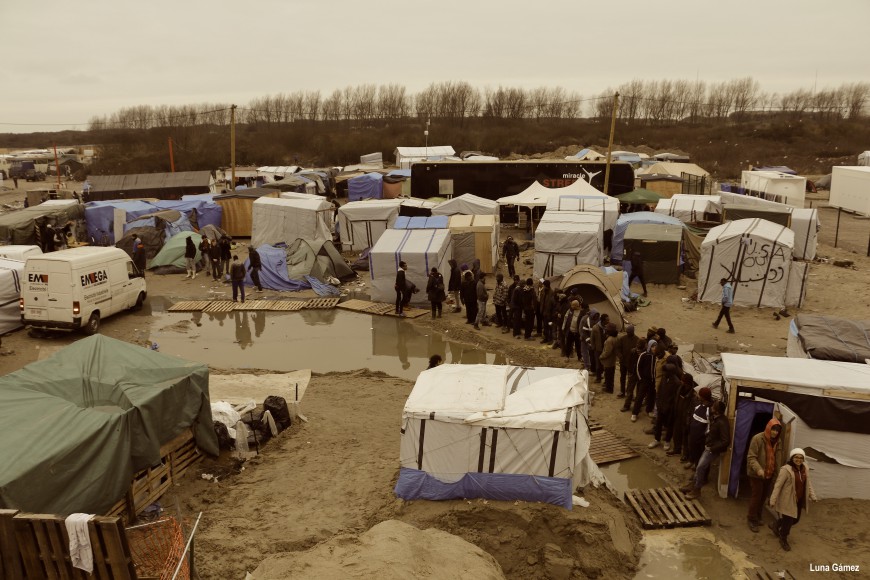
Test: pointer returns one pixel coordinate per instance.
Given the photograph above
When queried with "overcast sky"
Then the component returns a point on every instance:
(67, 62)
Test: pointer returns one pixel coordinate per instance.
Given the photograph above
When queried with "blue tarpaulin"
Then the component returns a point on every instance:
(438, 222)
(416, 484)
(273, 274)
(638, 217)
(100, 215)
(368, 186)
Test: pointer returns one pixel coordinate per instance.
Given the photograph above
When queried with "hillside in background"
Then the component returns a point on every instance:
(810, 146)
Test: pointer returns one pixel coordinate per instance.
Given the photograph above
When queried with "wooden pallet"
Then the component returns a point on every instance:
(286, 305)
(37, 546)
(594, 425)
(380, 308)
(762, 574)
(319, 303)
(666, 507)
(149, 484)
(606, 448)
(189, 306)
(220, 306)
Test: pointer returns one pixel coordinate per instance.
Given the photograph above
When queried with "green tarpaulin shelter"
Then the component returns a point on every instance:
(78, 425)
(170, 258)
(20, 227)
(639, 195)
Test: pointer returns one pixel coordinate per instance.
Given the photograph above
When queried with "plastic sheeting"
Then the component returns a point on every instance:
(638, 217)
(689, 208)
(172, 253)
(100, 215)
(420, 249)
(273, 274)
(361, 223)
(609, 206)
(829, 338)
(102, 408)
(562, 244)
(284, 220)
(10, 291)
(368, 186)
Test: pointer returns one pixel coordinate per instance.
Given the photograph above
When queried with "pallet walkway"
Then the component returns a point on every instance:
(762, 574)
(594, 425)
(380, 308)
(606, 448)
(666, 507)
(253, 305)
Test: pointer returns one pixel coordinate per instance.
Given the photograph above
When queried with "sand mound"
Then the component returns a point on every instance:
(391, 549)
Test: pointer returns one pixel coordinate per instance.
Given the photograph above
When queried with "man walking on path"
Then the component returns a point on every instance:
(763, 460)
(255, 265)
(727, 303)
(511, 252)
(237, 277)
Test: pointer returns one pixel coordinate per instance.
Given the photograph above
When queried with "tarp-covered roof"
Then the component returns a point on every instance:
(79, 424)
(18, 227)
(468, 204)
(149, 181)
(832, 338)
(674, 169)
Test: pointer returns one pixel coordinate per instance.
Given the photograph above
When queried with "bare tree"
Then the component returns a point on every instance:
(333, 106)
(744, 95)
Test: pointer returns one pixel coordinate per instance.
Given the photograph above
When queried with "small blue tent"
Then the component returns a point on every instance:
(368, 186)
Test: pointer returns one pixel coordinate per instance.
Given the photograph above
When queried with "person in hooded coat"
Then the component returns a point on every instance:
(468, 294)
(764, 457)
(190, 257)
(499, 300)
(790, 494)
(625, 346)
(435, 291)
(608, 356)
(666, 401)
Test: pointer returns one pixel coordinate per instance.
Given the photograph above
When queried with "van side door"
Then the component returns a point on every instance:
(123, 288)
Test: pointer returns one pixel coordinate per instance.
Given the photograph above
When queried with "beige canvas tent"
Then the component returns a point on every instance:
(237, 207)
(599, 290)
(480, 235)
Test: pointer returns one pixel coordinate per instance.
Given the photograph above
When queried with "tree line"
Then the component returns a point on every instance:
(456, 102)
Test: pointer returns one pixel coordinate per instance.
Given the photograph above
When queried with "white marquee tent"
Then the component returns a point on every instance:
(361, 223)
(467, 204)
(421, 249)
(825, 408)
(757, 256)
(537, 195)
(498, 432)
(276, 220)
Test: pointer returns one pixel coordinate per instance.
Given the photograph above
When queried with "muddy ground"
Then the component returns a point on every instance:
(334, 474)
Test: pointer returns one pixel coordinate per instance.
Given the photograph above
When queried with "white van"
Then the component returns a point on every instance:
(19, 252)
(76, 288)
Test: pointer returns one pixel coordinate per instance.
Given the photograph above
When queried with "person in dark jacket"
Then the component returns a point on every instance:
(401, 288)
(516, 302)
(468, 294)
(562, 307)
(682, 414)
(435, 291)
(482, 298)
(646, 392)
(547, 300)
(637, 270)
(237, 277)
(204, 246)
(631, 369)
(717, 441)
(698, 422)
(226, 254)
(625, 346)
(214, 256)
(254, 267)
(454, 285)
(475, 270)
(666, 405)
(511, 252)
(529, 301)
(139, 258)
(499, 300)
(608, 356)
(190, 257)
(571, 330)
(598, 336)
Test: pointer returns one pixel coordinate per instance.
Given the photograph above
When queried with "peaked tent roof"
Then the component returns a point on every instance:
(467, 204)
(639, 195)
(675, 169)
(537, 195)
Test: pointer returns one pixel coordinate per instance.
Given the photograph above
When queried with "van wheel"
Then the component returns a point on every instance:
(93, 324)
(140, 300)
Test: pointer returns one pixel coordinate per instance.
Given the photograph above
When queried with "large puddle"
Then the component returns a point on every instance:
(636, 473)
(320, 340)
(688, 553)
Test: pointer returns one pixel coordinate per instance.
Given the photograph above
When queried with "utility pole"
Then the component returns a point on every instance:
(171, 157)
(610, 142)
(56, 166)
(233, 146)
(426, 134)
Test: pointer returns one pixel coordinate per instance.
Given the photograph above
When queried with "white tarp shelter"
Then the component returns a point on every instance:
(537, 195)
(406, 156)
(825, 409)
(600, 203)
(757, 256)
(11, 272)
(564, 239)
(276, 220)
(269, 173)
(805, 222)
(775, 186)
(850, 189)
(298, 195)
(467, 204)
(475, 236)
(497, 432)
(361, 223)
(689, 208)
(422, 250)
(674, 169)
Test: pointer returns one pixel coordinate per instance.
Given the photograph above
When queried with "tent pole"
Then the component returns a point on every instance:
(837, 233)
(610, 142)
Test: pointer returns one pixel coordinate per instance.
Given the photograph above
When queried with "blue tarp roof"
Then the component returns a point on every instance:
(100, 215)
(779, 168)
(638, 217)
(273, 274)
(438, 222)
(368, 186)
